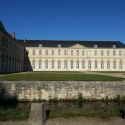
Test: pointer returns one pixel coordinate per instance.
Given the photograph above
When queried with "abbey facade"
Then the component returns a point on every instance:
(60, 55)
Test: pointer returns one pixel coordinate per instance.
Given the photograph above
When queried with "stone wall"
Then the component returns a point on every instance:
(30, 90)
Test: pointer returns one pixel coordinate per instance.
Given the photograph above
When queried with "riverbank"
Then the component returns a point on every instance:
(75, 121)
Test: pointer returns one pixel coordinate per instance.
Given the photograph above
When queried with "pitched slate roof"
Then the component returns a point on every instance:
(3, 30)
(2, 27)
(68, 43)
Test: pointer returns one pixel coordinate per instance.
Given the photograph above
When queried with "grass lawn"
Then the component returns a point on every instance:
(102, 113)
(109, 71)
(13, 114)
(58, 76)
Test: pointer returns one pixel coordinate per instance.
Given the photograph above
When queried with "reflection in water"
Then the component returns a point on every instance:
(73, 105)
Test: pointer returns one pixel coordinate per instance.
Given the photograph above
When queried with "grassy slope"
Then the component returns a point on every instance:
(58, 76)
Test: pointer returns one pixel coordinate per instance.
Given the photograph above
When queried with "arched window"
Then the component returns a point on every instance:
(96, 65)
(46, 64)
(65, 64)
(72, 52)
(52, 64)
(114, 53)
(89, 65)
(46, 52)
(59, 52)
(40, 64)
(33, 64)
(95, 53)
(114, 65)
(108, 53)
(83, 64)
(72, 64)
(59, 64)
(77, 52)
(77, 64)
(101, 53)
(83, 53)
(120, 65)
(102, 65)
(108, 65)
(65, 52)
(40, 52)
(120, 53)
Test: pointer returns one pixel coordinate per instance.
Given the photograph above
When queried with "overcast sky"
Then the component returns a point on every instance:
(64, 19)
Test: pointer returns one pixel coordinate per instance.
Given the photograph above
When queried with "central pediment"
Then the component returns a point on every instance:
(77, 46)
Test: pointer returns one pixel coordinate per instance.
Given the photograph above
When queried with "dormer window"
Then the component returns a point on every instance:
(40, 45)
(114, 46)
(95, 46)
(59, 45)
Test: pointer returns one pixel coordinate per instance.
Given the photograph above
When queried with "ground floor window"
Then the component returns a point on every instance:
(83, 64)
(59, 64)
(65, 64)
(102, 65)
(77, 64)
(120, 65)
(89, 65)
(108, 65)
(71, 64)
(40, 64)
(46, 64)
(52, 64)
(95, 64)
(33, 64)
(114, 65)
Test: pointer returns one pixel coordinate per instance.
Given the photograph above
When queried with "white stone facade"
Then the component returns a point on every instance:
(76, 58)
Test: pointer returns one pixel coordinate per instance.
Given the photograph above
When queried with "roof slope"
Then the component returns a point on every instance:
(2, 28)
(68, 43)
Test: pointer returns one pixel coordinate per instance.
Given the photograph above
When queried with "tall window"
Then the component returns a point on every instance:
(114, 65)
(120, 53)
(2, 41)
(96, 64)
(95, 53)
(52, 52)
(40, 52)
(71, 64)
(108, 53)
(65, 52)
(65, 64)
(120, 65)
(108, 65)
(83, 64)
(59, 52)
(59, 64)
(113, 53)
(102, 65)
(83, 53)
(40, 64)
(77, 52)
(33, 52)
(33, 64)
(89, 65)
(101, 53)
(46, 64)
(52, 64)
(72, 52)
(46, 52)
(77, 64)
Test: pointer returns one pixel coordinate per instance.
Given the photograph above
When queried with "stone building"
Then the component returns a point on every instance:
(11, 52)
(59, 55)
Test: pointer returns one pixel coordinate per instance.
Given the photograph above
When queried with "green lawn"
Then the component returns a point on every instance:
(102, 113)
(58, 76)
(109, 71)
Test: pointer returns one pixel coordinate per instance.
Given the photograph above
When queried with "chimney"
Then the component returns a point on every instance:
(24, 40)
(13, 35)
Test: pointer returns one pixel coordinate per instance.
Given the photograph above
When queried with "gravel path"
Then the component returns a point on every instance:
(75, 121)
